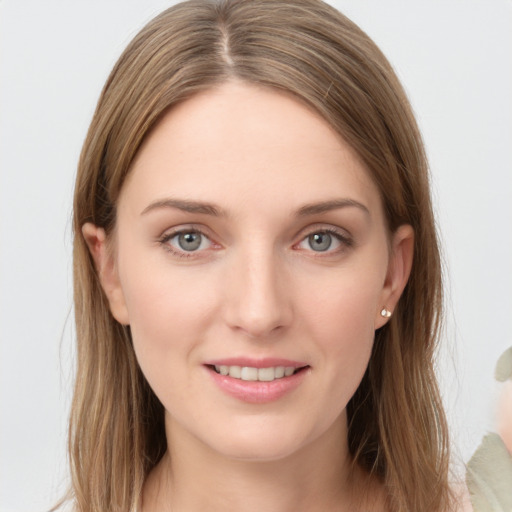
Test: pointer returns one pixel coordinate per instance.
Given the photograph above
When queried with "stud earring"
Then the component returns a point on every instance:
(385, 313)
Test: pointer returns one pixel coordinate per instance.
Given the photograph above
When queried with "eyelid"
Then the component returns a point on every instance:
(171, 233)
(344, 238)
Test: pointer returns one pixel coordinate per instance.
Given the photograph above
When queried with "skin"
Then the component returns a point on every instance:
(257, 288)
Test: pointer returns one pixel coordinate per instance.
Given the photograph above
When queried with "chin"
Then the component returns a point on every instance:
(257, 450)
(262, 441)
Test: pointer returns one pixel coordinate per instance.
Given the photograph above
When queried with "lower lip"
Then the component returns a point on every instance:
(257, 392)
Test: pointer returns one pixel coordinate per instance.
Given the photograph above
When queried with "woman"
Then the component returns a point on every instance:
(257, 278)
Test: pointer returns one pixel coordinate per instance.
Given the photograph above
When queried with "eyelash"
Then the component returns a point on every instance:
(344, 240)
(167, 237)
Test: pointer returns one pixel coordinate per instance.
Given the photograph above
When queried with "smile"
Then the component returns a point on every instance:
(249, 373)
(260, 383)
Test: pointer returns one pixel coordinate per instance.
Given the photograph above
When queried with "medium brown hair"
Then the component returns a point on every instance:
(397, 429)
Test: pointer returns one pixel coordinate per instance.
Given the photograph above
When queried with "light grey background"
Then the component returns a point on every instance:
(455, 59)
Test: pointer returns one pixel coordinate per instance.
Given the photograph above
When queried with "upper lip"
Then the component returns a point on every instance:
(266, 362)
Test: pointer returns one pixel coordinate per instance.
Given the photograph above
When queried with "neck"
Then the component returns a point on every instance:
(193, 477)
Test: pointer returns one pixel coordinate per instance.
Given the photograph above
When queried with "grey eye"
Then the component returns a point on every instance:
(320, 241)
(190, 241)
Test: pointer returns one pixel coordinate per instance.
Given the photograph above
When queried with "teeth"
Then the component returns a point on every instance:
(235, 372)
(256, 374)
(288, 371)
(266, 374)
(249, 373)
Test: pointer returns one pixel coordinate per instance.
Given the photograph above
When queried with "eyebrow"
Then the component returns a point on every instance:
(333, 204)
(210, 209)
(186, 206)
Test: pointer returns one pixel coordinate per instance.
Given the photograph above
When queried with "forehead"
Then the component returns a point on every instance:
(249, 145)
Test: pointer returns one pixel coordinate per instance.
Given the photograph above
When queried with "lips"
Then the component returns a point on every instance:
(257, 381)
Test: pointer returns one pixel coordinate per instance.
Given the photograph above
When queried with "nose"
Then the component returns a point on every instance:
(258, 298)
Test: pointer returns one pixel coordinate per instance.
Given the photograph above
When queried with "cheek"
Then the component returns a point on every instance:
(167, 311)
(342, 321)
(167, 320)
(343, 307)
(159, 306)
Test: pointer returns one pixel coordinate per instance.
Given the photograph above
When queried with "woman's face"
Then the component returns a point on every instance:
(251, 242)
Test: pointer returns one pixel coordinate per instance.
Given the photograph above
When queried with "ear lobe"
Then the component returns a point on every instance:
(399, 269)
(104, 262)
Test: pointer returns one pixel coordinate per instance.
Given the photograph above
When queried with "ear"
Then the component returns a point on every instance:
(399, 269)
(106, 268)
